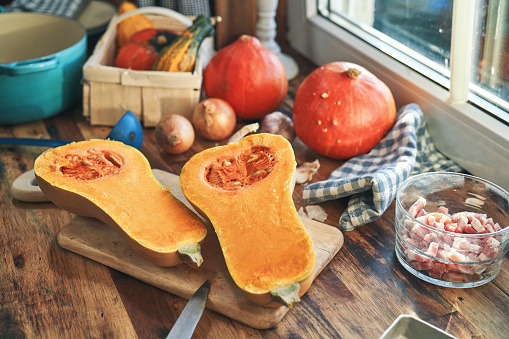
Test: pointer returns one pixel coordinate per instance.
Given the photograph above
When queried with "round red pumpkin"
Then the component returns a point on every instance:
(135, 57)
(248, 76)
(341, 110)
(140, 51)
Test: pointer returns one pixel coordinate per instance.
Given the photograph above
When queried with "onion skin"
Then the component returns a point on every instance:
(214, 119)
(174, 134)
(278, 123)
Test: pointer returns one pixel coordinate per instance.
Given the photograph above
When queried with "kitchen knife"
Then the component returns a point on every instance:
(188, 319)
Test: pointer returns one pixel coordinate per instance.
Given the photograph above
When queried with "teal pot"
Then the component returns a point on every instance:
(41, 65)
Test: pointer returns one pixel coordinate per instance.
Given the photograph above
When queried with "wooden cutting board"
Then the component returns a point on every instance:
(95, 240)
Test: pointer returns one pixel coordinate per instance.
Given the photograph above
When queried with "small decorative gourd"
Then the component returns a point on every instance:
(132, 24)
(180, 56)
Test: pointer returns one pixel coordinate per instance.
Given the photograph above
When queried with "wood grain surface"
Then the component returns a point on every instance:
(49, 292)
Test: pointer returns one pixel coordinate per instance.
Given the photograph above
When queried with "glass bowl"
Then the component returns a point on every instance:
(452, 229)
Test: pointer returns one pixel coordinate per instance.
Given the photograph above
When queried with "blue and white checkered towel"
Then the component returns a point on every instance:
(186, 7)
(71, 8)
(371, 180)
(67, 8)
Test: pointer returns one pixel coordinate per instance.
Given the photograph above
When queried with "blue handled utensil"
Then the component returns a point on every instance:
(127, 130)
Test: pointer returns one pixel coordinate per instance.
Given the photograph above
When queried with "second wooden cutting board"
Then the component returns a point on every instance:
(93, 239)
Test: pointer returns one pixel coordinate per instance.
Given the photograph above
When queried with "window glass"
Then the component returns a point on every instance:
(421, 29)
(491, 68)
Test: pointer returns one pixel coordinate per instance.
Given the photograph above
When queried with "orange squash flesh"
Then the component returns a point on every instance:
(114, 183)
(245, 190)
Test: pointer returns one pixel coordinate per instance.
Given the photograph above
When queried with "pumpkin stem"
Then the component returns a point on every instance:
(353, 73)
(245, 37)
(287, 295)
(191, 252)
(161, 39)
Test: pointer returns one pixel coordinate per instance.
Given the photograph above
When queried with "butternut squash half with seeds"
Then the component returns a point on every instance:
(114, 183)
(245, 190)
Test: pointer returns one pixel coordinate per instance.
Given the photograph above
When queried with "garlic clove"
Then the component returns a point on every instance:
(241, 133)
(301, 213)
(305, 172)
(278, 123)
(316, 212)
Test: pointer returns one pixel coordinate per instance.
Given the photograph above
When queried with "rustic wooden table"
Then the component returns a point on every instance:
(49, 292)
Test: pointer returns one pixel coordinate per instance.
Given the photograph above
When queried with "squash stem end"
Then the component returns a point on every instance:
(191, 252)
(287, 295)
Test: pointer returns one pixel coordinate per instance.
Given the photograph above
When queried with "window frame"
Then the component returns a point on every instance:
(475, 138)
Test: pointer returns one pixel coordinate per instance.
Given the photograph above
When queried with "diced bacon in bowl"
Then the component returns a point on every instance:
(447, 241)
(455, 256)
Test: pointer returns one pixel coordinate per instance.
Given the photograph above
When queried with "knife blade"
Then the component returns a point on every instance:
(191, 314)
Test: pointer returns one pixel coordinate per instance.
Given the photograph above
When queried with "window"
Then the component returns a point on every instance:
(422, 30)
(411, 45)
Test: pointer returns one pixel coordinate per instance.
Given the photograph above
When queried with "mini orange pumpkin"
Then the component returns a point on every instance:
(248, 76)
(342, 110)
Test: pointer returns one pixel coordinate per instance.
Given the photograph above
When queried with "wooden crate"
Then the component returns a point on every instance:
(109, 91)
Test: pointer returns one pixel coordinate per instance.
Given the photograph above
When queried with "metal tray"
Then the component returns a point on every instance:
(407, 326)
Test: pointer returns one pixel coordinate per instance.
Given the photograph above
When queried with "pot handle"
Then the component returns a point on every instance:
(29, 66)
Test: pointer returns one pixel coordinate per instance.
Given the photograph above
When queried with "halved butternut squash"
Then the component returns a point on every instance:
(114, 183)
(245, 190)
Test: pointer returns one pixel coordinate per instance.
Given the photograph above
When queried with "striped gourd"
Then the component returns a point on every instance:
(180, 56)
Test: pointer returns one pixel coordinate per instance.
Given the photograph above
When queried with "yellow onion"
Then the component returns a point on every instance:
(214, 119)
(174, 134)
